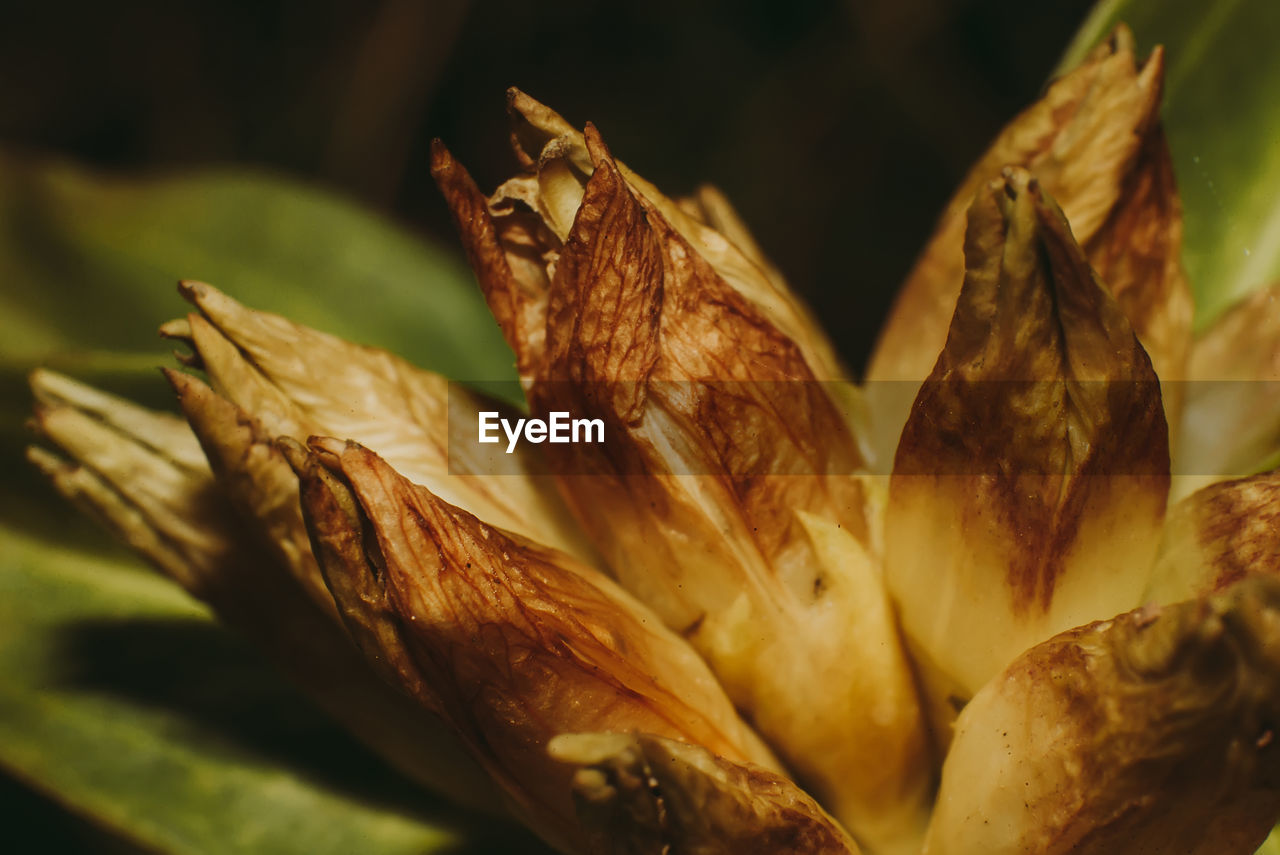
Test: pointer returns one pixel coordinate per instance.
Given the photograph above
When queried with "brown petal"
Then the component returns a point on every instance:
(1094, 143)
(726, 462)
(1029, 487)
(1152, 732)
(511, 641)
(141, 473)
(1217, 536)
(640, 794)
(256, 479)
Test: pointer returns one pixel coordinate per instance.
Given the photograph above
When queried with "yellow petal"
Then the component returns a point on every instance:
(1152, 732)
(1094, 143)
(638, 794)
(511, 642)
(1029, 487)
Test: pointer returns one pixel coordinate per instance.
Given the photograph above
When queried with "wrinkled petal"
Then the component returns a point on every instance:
(142, 474)
(1217, 536)
(726, 495)
(1095, 144)
(1152, 732)
(1232, 422)
(1029, 487)
(298, 382)
(644, 795)
(510, 642)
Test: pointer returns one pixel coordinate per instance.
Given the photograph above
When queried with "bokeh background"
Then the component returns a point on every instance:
(837, 127)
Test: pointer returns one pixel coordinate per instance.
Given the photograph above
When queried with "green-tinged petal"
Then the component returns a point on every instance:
(1153, 732)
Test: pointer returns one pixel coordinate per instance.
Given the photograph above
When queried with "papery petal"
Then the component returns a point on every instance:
(1095, 144)
(1152, 732)
(511, 642)
(1231, 425)
(143, 475)
(1029, 487)
(1217, 536)
(640, 794)
(556, 155)
(298, 382)
(726, 460)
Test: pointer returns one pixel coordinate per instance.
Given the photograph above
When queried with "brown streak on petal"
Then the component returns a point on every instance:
(516, 310)
(606, 299)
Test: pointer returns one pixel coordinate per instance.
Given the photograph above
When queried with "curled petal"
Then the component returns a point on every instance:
(1094, 143)
(296, 382)
(511, 642)
(1029, 487)
(1151, 732)
(1217, 536)
(142, 474)
(639, 794)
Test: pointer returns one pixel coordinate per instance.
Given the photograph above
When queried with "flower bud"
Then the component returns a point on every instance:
(143, 475)
(509, 641)
(1029, 487)
(1151, 732)
(1095, 144)
(728, 494)
(296, 382)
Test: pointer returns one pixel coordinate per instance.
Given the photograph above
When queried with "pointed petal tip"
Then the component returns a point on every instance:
(442, 161)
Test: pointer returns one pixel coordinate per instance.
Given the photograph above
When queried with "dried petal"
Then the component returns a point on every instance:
(511, 642)
(142, 474)
(256, 479)
(1232, 422)
(1152, 732)
(1217, 536)
(298, 382)
(531, 217)
(1095, 144)
(724, 453)
(641, 794)
(1029, 487)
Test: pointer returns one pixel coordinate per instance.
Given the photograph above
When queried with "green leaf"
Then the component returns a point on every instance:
(118, 697)
(124, 701)
(1222, 115)
(90, 263)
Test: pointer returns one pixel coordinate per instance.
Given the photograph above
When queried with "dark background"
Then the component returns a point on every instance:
(837, 128)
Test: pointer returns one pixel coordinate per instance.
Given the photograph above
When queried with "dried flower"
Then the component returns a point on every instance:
(730, 625)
